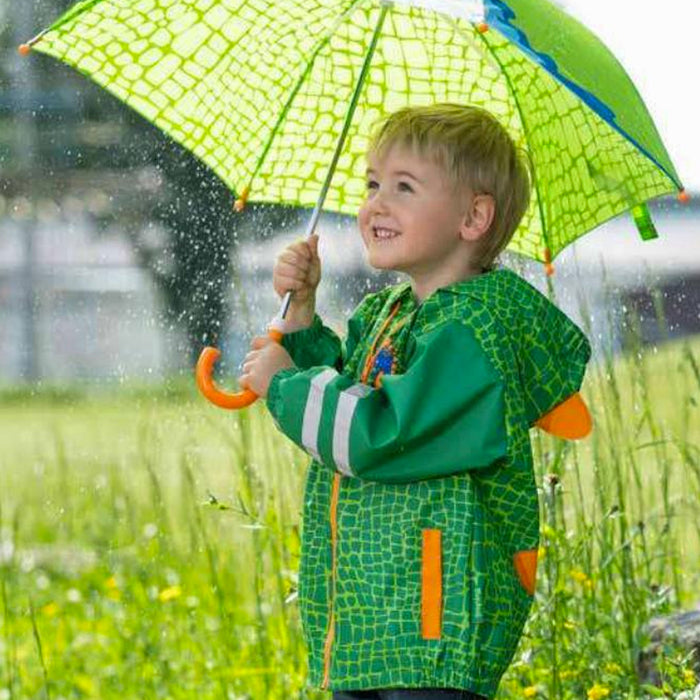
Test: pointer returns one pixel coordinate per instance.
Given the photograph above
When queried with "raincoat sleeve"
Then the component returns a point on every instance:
(320, 345)
(444, 415)
(552, 357)
(316, 345)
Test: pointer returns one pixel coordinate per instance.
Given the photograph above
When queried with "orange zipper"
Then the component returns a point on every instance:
(330, 634)
(331, 621)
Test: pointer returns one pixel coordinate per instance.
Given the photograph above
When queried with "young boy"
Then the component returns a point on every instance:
(421, 520)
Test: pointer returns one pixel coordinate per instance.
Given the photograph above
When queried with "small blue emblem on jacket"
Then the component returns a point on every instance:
(384, 361)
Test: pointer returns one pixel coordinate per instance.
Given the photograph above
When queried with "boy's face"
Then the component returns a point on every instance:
(412, 197)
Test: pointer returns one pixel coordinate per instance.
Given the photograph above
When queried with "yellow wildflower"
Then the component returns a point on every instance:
(50, 609)
(170, 593)
(549, 532)
(569, 625)
(541, 552)
(579, 576)
(113, 592)
(689, 676)
(86, 684)
(598, 691)
(612, 667)
(530, 691)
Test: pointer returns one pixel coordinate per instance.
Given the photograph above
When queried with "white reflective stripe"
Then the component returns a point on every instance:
(471, 10)
(312, 411)
(347, 403)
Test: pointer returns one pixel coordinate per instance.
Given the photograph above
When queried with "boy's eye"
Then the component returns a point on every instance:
(371, 184)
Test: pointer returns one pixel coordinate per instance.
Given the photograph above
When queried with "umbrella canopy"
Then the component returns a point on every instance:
(262, 90)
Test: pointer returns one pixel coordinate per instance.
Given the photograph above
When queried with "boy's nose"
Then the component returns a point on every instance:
(378, 203)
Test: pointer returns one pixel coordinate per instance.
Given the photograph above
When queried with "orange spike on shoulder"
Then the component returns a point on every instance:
(525, 563)
(569, 420)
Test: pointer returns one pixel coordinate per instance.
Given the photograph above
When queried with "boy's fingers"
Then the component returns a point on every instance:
(295, 260)
(301, 248)
(290, 268)
(295, 281)
(291, 283)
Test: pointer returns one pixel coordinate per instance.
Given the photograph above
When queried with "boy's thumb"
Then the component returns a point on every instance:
(313, 244)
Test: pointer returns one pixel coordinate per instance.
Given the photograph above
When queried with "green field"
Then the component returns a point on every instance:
(149, 542)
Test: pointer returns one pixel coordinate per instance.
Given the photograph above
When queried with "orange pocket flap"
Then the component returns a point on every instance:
(431, 585)
(526, 567)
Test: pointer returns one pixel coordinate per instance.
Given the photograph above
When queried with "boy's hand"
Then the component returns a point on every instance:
(265, 359)
(298, 267)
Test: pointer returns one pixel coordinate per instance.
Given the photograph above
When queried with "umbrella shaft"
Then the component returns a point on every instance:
(386, 4)
(285, 303)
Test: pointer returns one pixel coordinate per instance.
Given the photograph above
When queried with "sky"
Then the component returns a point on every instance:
(658, 43)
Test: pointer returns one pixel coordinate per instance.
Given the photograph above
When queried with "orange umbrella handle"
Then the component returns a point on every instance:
(206, 384)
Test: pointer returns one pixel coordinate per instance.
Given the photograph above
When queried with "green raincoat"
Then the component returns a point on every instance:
(420, 524)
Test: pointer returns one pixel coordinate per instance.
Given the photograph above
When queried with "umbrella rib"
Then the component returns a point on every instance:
(77, 11)
(482, 38)
(321, 44)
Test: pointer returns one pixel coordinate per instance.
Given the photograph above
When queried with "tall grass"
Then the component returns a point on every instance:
(620, 528)
(149, 544)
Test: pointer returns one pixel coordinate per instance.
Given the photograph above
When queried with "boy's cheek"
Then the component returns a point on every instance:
(363, 224)
(362, 217)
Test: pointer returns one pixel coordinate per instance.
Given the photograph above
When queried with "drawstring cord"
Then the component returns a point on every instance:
(372, 356)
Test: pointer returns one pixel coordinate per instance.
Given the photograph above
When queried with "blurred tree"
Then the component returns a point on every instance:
(192, 266)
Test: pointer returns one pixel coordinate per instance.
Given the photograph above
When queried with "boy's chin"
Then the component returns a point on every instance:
(379, 265)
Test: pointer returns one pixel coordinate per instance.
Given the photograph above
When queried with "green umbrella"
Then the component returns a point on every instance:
(278, 97)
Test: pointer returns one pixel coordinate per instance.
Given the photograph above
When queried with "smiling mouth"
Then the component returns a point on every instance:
(383, 234)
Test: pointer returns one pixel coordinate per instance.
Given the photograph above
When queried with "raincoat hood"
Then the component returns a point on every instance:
(550, 349)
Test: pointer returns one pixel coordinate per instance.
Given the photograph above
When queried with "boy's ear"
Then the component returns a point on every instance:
(478, 218)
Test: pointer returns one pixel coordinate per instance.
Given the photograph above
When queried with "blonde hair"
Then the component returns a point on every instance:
(473, 149)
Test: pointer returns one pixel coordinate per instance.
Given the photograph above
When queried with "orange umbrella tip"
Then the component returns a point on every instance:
(24, 49)
(683, 197)
(548, 267)
(482, 27)
(240, 203)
